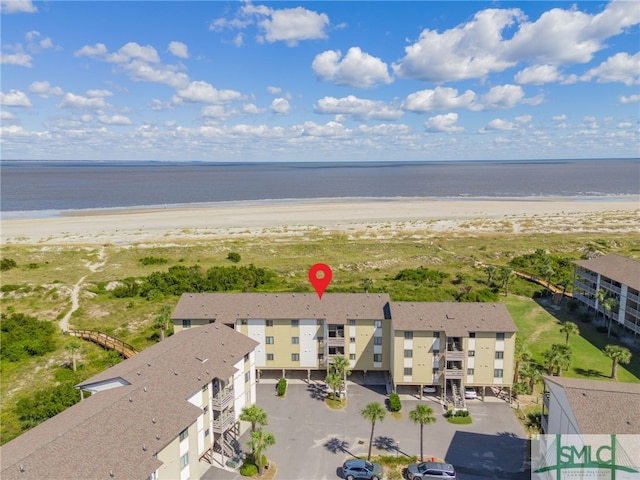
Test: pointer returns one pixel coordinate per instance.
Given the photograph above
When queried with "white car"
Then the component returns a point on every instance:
(470, 393)
(429, 389)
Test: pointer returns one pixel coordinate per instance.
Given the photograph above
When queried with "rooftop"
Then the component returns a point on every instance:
(119, 430)
(600, 406)
(618, 268)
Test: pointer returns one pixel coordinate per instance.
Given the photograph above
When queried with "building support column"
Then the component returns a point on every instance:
(308, 375)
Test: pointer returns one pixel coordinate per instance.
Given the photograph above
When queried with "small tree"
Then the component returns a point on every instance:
(531, 373)
(162, 320)
(340, 365)
(423, 415)
(260, 441)
(255, 415)
(335, 382)
(569, 328)
(610, 305)
(617, 354)
(521, 356)
(395, 405)
(73, 347)
(373, 412)
(234, 257)
(366, 284)
(506, 273)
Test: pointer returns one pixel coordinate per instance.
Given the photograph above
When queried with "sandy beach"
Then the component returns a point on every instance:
(372, 217)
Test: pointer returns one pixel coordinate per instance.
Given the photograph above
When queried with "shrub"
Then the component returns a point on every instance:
(394, 402)
(282, 387)
(234, 257)
(7, 264)
(153, 261)
(22, 336)
(248, 470)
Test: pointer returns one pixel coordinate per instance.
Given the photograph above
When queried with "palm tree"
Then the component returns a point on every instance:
(563, 357)
(422, 414)
(340, 365)
(366, 284)
(610, 305)
(255, 415)
(522, 355)
(335, 382)
(73, 348)
(260, 441)
(162, 320)
(506, 273)
(491, 270)
(617, 354)
(550, 357)
(569, 328)
(373, 412)
(601, 296)
(531, 373)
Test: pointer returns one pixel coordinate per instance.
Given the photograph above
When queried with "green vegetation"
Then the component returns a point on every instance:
(460, 417)
(22, 336)
(281, 387)
(153, 261)
(618, 355)
(234, 257)
(7, 264)
(255, 415)
(422, 415)
(260, 441)
(395, 405)
(46, 403)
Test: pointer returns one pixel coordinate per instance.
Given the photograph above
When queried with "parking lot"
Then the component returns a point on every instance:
(312, 440)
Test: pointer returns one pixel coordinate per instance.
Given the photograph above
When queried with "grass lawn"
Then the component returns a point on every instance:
(540, 328)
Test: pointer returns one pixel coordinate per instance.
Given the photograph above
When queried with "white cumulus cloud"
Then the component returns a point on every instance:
(290, 25)
(133, 51)
(621, 67)
(17, 6)
(19, 58)
(45, 90)
(200, 91)
(71, 100)
(15, 98)
(114, 120)
(630, 99)
(443, 123)
(91, 51)
(280, 106)
(538, 75)
(359, 108)
(440, 98)
(357, 69)
(179, 49)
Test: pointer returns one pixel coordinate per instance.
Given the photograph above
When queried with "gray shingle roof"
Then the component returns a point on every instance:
(618, 268)
(335, 308)
(455, 319)
(602, 407)
(106, 432)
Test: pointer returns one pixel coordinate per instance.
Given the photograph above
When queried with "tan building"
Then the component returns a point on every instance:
(619, 277)
(451, 345)
(152, 416)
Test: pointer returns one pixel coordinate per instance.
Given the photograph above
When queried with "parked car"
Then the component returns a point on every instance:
(418, 471)
(358, 468)
(429, 389)
(470, 393)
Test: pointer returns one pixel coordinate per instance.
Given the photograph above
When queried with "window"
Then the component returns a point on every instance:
(436, 353)
(336, 350)
(436, 334)
(269, 357)
(500, 336)
(408, 353)
(247, 397)
(320, 339)
(497, 373)
(246, 357)
(206, 433)
(247, 377)
(408, 371)
(352, 339)
(243, 321)
(268, 340)
(269, 323)
(319, 322)
(184, 434)
(470, 371)
(472, 353)
(408, 335)
(186, 323)
(352, 356)
(295, 357)
(352, 323)
(436, 370)
(295, 340)
(377, 323)
(472, 334)
(377, 340)
(206, 409)
(184, 460)
(499, 355)
(294, 323)
(321, 356)
(377, 357)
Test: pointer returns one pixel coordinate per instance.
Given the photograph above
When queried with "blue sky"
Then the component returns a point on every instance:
(314, 81)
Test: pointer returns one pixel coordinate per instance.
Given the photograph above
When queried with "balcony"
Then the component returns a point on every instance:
(545, 399)
(222, 398)
(223, 422)
(544, 421)
(454, 373)
(455, 355)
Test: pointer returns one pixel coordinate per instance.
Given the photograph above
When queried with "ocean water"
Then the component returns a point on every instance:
(46, 188)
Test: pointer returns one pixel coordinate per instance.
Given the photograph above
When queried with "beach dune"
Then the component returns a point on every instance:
(295, 217)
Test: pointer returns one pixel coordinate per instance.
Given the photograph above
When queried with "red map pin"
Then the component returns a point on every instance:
(320, 277)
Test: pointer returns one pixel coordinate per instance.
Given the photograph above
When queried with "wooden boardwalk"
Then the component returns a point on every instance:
(550, 286)
(106, 341)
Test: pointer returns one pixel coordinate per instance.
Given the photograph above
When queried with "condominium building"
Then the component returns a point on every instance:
(577, 406)
(414, 344)
(619, 278)
(153, 416)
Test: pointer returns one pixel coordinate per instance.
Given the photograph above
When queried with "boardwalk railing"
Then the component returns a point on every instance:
(552, 288)
(106, 341)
